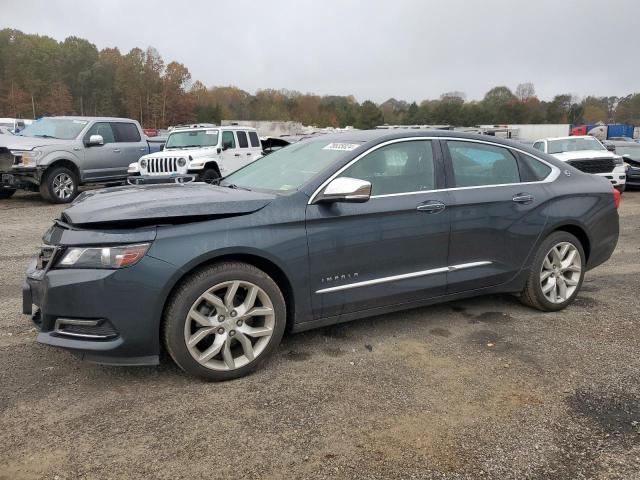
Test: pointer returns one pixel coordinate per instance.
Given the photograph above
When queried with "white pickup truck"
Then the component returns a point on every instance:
(204, 151)
(587, 154)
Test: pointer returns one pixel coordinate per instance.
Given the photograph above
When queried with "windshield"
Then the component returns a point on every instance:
(62, 128)
(197, 138)
(290, 167)
(573, 145)
(632, 151)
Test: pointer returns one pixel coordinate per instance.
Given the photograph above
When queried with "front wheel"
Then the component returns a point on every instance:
(6, 193)
(59, 185)
(208, 175)
(556, 274)
(224, 320)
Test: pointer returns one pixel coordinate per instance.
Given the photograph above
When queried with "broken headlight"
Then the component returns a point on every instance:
(119, 256)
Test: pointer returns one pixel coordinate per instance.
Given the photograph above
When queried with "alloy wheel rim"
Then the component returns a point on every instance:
(229, 325)
(63, 186)
(560, 272)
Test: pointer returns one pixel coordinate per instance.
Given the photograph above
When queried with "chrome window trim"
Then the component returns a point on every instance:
(404, 276)
(553, 175)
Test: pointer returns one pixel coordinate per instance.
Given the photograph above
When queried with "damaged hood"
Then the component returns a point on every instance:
(163, 203)
(16, 142)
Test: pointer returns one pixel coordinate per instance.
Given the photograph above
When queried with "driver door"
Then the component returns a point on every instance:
(99, 159)
(390, 249)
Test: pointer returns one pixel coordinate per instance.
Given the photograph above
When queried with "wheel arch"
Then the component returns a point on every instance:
(579, 232)
(212, 164)
(63, 162)
(268, 266)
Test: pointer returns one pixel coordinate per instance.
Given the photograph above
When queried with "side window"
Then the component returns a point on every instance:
(228, 139)
(255, 141)
(242, 139)
(103, 129)
(125, 132)
(532, 170)
(477, 164)
(539, 146)
(397, 168)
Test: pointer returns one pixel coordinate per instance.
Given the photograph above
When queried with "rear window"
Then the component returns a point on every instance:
(125, 132)
(532, 170)
(255, 141)
(242, 139)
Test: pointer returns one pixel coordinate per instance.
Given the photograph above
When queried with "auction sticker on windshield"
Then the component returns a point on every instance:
(347, 147)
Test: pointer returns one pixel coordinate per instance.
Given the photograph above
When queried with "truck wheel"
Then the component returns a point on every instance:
(59, 185)
(209, 175)
(556, 273)
(6, 193)
(224, 320)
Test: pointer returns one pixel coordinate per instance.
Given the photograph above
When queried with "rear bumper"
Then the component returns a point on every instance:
(113, 298)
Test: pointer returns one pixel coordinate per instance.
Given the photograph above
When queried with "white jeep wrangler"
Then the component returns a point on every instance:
(204, 151)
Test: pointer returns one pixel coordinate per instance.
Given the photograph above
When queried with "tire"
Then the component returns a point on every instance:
(544, 271)
(6, 193)
(199, 310)
(208, 175)
(59, 185)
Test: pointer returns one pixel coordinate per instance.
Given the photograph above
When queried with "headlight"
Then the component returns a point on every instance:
(182, 162)
(27, 157)
(618, 161)
(143, 163)
(103, 257)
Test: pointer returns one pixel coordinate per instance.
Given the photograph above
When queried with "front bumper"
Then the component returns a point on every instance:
(617, 177)
(155, 179)
(129, 301)
(20, 178)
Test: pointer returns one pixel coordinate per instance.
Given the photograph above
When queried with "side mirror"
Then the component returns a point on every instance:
(226, 145)
(345, 189)
(610, 146)
(95, 140)
(162, 147)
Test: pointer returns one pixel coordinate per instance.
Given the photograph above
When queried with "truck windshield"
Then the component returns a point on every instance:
(62, 128)
(197, 138)
(573, 145)
(290, 167)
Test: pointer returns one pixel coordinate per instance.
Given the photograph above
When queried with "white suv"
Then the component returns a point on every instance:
(587, 154)
(206, 151)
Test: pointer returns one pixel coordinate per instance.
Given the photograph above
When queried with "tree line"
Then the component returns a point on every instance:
(40, 76)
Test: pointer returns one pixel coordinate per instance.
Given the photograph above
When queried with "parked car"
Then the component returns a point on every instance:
(587, 154)
(332, 229)
(13, 125)
(55, 155)
(207, 152)
(630, 153)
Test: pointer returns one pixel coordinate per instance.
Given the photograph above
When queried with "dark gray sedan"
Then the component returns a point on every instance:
(328, 230)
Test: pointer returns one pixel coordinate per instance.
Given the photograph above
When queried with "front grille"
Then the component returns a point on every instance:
(6, 160)
(46, 255)
(596, 165)
(162, 165)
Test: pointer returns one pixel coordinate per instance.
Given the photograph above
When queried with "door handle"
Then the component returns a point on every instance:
(143, 149)
(237, 155)
(248, 154)
(431, 207)
(116, 150)
(523, 198)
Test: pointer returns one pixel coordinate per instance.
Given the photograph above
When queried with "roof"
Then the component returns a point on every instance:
(568, 137)
(184, 128)
(91, 119)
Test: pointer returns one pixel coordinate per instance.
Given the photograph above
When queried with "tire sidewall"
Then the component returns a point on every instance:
(554, 239)
(48, 183)
(209, 175)
(189, 292)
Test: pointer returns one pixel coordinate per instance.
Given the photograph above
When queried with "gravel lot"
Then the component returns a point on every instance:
(482, 388)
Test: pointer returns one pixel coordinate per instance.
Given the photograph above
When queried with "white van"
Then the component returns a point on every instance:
(206, 151)
(14, 125)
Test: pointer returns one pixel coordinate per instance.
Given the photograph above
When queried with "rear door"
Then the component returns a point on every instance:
(244, 148)
(496, 204)
(129, 146)
(389, 250)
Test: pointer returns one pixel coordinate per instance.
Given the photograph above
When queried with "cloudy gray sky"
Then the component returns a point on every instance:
(407, 49)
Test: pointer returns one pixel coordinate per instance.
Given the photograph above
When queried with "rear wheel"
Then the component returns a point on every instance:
(59, 185)
(6, 193)
(556, 274)
(224, 321)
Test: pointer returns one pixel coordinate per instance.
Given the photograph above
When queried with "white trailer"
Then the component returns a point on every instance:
(541, 130)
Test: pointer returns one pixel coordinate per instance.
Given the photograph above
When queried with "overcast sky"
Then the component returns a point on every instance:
(407, 49)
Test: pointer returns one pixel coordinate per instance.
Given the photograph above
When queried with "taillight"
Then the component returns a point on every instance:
(616, 197)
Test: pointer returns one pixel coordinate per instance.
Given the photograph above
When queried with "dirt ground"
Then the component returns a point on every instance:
(482, 388)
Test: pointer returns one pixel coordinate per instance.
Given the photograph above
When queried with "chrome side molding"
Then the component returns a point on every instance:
(404, 276)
